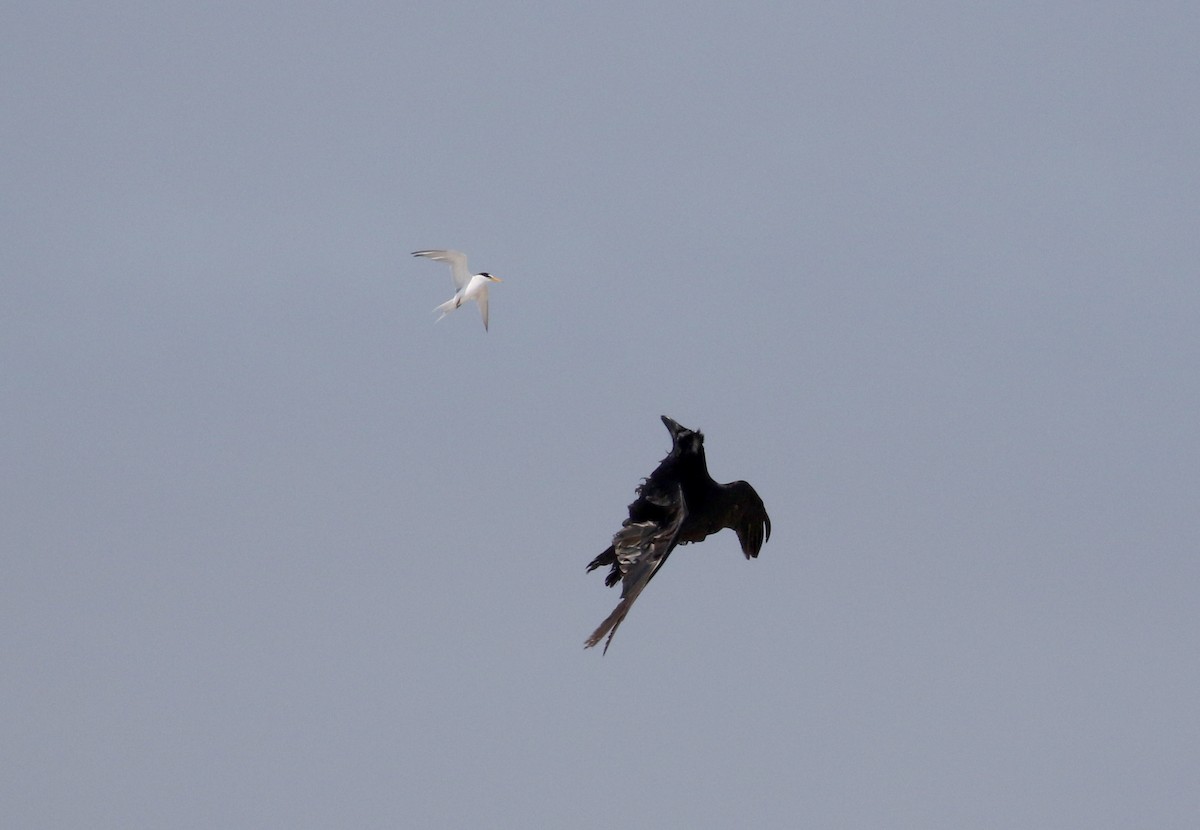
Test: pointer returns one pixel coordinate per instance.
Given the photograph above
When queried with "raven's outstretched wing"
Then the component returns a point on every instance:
(748, 517)
(654, 505)
(639, 550)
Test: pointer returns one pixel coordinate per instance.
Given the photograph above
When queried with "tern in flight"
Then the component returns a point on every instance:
(473, 287)
(679, 503)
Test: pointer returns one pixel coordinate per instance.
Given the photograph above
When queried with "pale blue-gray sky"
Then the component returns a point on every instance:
(278, 552)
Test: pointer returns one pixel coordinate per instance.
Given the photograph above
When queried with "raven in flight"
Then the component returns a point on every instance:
(679, 503)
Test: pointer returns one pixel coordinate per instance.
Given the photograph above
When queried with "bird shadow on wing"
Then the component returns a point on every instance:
(639, 550)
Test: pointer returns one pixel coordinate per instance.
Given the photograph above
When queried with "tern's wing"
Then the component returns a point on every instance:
(640, 548)
(482, 299)
(458, 264)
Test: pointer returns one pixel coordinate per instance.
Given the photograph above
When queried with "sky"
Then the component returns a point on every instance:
(278, 551)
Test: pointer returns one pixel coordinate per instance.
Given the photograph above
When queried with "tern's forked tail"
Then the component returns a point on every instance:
(448, 306)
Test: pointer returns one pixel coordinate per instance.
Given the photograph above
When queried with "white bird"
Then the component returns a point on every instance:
(466, 288)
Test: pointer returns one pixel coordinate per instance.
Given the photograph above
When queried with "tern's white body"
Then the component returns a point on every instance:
(466, 288)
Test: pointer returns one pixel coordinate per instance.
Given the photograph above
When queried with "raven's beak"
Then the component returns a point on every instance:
(673, 426)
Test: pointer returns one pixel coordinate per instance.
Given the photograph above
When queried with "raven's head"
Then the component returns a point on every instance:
(684, 441)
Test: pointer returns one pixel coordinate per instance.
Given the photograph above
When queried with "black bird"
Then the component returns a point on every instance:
(679, 503)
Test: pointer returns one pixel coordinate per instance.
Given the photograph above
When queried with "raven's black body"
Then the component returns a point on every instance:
(679, 503)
